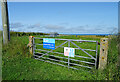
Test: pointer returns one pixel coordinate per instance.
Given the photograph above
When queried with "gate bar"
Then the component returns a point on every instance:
(54, 59)
(64, 65)
(63, 53)
(83, 50)
(70, 59)
(83, 57)
(51, 62)
(50, 51)
(71, 40)
(78, 48)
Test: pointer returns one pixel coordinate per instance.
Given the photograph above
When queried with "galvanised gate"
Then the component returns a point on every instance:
(86, 58)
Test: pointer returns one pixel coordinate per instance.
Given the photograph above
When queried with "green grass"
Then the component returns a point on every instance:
(17, 64)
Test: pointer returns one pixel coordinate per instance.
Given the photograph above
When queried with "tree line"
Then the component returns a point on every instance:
(12, 33)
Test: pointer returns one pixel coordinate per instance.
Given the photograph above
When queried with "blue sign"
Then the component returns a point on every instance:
(48, 43)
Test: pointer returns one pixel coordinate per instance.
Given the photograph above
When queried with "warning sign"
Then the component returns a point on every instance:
(69, 51)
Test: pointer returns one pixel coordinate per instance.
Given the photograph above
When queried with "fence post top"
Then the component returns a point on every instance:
(31, 36)
(104, 39)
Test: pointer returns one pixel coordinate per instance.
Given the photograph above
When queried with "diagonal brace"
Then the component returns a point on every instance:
(55, 48)
(83, 50)
(61, 44)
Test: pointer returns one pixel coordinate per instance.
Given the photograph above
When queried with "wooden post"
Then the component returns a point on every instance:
(103, 53)
(5, 22)
(30, 45)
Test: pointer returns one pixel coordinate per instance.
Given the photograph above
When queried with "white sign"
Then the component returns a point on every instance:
(69, 51)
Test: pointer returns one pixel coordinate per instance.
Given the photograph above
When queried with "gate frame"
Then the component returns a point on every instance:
(67, 40)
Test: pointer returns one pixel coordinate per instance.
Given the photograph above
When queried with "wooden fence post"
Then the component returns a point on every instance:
(5, 21)
(30, 45)
(103, 53)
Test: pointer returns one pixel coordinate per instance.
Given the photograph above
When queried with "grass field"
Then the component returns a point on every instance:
(17, 63)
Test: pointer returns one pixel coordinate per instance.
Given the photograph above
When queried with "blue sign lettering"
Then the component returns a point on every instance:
(48, 43)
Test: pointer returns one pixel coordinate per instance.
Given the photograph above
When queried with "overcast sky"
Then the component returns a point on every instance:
(64, 17)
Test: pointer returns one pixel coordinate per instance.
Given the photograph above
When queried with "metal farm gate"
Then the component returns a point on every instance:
(86, 58)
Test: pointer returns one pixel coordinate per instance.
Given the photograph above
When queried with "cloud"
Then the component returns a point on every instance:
(91, 29)
(98, 29)
(68, 29)
(16, 25)
(106, 29)
(63, 28)
(76, 29)
(114, 30)
(53, 27)
(34, 26)
(81, 28)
